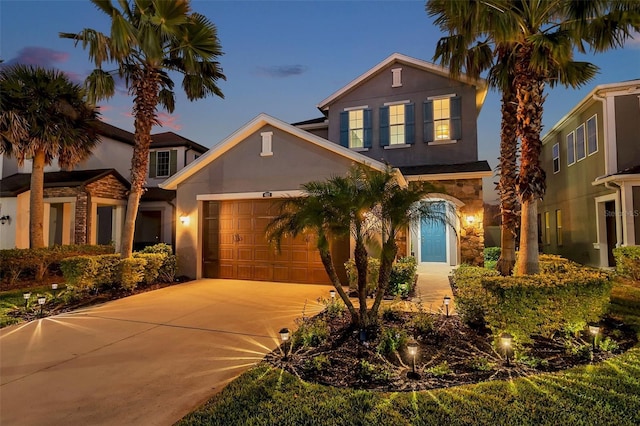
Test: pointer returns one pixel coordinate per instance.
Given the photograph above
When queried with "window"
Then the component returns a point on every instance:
(559, 227)
(396, 77)
(266, 144)
(580, 151)
(556, 158)
(547, 228)
(592, 135)
(356, 129)
(571, 149)
(396, 124)
(162, 163)
(441, 115)
(442, 120)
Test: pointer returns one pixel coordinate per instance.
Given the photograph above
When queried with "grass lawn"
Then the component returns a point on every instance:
(603, 394)
(12, 299)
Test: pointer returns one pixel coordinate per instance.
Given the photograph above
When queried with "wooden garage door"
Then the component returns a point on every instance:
(234, 246)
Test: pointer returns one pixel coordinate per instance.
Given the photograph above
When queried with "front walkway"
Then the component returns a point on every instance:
(433, 285)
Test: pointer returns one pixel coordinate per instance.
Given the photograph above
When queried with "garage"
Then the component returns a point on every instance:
(234, 245)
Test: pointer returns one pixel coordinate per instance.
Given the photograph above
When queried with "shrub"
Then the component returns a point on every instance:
(317, 364)
(392, 313)
(471, 297)
(132, 272)
(491, 254)
(608, 345)
(310, 333)
(373, 269)
(402, 278)
(367, 371)
(391, 340)
(628, 261)
(480, 363)
(546, 303)
(441, 369)
(155, 262)
(167, 271)
(107, 270)
(79, 273)
(422, 323)
(334, 308)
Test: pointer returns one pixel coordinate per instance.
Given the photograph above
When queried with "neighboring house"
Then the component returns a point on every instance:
(592, 161)
(87, 205)
(404, 111)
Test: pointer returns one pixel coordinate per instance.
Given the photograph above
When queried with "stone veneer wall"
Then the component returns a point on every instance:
(471, 236)
(107, 187)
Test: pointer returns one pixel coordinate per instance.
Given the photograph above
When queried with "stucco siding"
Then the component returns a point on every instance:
(417, 86)
(109, 154)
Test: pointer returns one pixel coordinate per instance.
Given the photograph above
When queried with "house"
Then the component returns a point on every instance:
(592, 160)
(405, 112)
(87, 204)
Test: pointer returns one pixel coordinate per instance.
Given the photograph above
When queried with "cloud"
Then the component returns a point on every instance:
(169, 121)
(281, 71)
(42, 56)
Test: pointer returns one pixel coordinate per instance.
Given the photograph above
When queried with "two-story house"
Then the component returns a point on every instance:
(86, 205)
(592, 161)
(405, 112)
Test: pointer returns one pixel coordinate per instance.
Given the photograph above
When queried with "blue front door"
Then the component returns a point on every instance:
(433, 236)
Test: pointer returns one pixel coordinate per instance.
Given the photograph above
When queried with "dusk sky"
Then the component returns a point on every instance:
(281, 58)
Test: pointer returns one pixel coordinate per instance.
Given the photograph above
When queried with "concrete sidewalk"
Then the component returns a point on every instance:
(433, 285)
(148, 359)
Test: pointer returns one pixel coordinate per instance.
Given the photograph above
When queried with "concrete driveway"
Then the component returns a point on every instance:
(148, 359)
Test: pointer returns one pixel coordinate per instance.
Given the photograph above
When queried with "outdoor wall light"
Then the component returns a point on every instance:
(332, 293)
(505, 340)
(471, 220)
(5, 219)
(594, 329)
(185, 220)
(26, 297)
(284, 336)
(412, 348)
(447, 300)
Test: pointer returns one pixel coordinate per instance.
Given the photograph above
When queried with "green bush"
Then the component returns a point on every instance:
(167, 271)
(608, 345)
(402, 278)
(546, 303)
(35, 263)
(471, 297)
(440, 370)
(391, 340)
(491, 254)
(422, 323)
(132, 272)
(107, 270)
(317, 364)
(368, 371)
(79, 273)
(628, 261)
(310, 333)
(373, 269)
(155, 262)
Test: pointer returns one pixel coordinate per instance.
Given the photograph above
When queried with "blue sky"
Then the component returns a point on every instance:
(281, 58)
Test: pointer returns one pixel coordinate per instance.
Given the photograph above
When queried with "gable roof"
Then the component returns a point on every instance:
(473, 169)
(252, 126)
(481, 84)
(114, 132)
(18, 183)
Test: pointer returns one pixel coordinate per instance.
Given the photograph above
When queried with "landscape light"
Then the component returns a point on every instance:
(284, 336)
(505, 340)
(594, 329)
(447, 300)
(412, 348)
(26, 297)
(41, 301)
(332, 293)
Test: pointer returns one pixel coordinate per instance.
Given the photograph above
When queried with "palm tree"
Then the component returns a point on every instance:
(148, 40)
(364, 204)
(541, 36)
(43, 116)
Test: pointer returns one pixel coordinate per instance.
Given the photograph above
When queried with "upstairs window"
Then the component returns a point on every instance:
(442, 119)
(163, 164)
(355, 128)
(592, 135)
(580, 151)
(556, 158)
(397, 124)
(571, 149)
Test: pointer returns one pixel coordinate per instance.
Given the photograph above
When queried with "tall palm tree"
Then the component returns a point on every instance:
(364, 204)
(43, 116)
(148, 40)
(542, 36)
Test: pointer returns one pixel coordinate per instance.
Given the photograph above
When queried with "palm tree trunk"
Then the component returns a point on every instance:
(145, 87)
(531, 180)
(327, 262)
(36, 201)
(508, 181)
(361, 260)
(389, 251)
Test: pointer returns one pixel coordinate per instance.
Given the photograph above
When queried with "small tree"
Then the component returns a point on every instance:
(365, 204)
(43, 116)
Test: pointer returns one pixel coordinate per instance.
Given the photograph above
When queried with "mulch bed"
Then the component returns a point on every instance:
(452, 354)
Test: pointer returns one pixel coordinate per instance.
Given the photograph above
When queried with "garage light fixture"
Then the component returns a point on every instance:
(184, 220)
